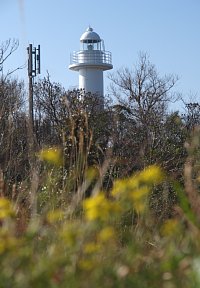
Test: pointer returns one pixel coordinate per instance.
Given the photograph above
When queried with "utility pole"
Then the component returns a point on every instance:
(33, 71)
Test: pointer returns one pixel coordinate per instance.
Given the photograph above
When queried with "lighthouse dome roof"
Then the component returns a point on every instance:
(89, 36)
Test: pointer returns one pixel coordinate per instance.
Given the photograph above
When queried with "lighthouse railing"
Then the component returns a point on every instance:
(91, 57)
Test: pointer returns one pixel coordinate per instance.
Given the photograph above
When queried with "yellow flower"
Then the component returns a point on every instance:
(140, 193)
(106, 234)
(151, 175)
(96, 207)
(137, 187)
(139, 198)
(8, 242)
(91, 248)
(54, 216)
(86, 264)
(6, 209)
(120, 186)
(51, 155)
(170, 227)
(99, 207)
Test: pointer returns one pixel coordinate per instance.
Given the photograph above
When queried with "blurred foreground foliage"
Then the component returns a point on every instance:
(106, 240)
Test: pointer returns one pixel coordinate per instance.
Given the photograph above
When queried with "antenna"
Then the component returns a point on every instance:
(33, 60)
(38, 59)
(30, 58)
(33, 71)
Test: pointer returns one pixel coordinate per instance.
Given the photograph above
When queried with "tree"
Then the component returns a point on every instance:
(49, 113)
(13, 142)
(143, 92)
(142, 116)
(192, 115)
(7, 48)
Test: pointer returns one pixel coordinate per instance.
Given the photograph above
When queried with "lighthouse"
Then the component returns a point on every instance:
(90, 61)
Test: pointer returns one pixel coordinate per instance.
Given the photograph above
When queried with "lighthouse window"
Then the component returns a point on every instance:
(90, 47)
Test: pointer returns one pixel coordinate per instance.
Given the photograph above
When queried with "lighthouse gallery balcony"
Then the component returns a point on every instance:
(93, 58)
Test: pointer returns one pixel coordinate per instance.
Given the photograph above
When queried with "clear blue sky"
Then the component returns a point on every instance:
(168, 30)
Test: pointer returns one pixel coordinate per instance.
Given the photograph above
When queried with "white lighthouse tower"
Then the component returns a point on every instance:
(90, 61)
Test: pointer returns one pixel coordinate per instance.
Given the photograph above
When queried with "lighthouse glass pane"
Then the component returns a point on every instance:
(91, 46)
(95, 46)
